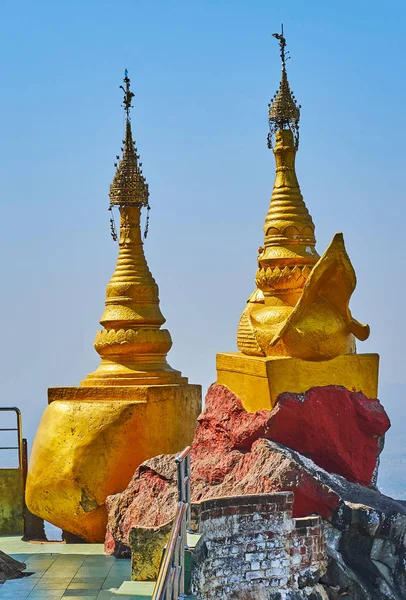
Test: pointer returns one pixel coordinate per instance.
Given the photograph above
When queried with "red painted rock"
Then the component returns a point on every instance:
(338, 429)
(232, 455)
(150, 500)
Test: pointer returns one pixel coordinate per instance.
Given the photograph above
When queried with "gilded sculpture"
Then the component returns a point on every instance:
(134, 405)
(300, 305)
(296, 330)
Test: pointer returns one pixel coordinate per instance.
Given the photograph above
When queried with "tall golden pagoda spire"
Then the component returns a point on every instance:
(132, 345)
(288, 254)
(289, 229)
(129, 185)
(284, 112)
(287, 261)
(296, 330)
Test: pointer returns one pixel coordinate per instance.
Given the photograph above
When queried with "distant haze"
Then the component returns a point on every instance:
(203, 73)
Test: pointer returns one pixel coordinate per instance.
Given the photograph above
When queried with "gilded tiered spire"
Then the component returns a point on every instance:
(300, 305)
(289, 252)
(132, 344)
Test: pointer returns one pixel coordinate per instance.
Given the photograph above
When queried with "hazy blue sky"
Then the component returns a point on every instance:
(203, 73)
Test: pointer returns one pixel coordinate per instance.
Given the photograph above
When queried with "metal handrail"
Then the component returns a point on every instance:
(19, 433)
(183, 467)
(170, 583)
(167, 572)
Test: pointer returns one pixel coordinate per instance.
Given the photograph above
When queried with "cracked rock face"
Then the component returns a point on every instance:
(367, 550)
(149, 501)
(239, 453)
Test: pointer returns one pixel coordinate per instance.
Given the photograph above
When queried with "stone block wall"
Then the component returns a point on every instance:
(250, 545)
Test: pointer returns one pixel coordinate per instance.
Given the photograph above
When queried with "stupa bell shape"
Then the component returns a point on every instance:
(301, 305)
(299, 309)
(134, 406)
(132, 345)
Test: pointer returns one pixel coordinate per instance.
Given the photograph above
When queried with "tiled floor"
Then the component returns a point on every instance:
(71, 571)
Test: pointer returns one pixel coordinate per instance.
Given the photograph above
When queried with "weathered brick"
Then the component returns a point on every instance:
(252, 544)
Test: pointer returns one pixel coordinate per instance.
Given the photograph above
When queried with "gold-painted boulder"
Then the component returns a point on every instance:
(88, 448)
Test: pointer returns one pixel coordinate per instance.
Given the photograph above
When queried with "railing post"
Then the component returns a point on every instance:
(181, 476)
(170, 584)
(20, 438)
(187, 490)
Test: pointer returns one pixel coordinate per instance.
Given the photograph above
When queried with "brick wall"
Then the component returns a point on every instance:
(250, 544)
(308, 550)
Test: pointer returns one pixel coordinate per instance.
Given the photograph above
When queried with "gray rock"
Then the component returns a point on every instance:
(10, 568)
(366, 541)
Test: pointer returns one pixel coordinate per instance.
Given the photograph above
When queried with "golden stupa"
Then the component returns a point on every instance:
(134, 406)
(296, 330)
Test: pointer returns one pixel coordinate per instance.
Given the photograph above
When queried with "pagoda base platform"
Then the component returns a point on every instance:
(91, 440)
(258, 381)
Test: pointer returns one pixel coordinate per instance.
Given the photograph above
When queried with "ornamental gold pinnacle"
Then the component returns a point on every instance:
(284, 112)
(132, 345)
(129, 186)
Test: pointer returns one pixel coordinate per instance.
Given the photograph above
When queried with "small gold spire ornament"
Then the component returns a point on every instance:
(284, 112)
(129, 186)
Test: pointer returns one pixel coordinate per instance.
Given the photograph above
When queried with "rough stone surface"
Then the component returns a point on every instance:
(232, 455)
(367, 550)
(365, 530)
(146, 545)
(150, 500)
(268, 467)
(366, 538)
(10, 568)
(228, 459)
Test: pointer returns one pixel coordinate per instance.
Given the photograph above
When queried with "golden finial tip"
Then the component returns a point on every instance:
(129, 186)
(284, 112)
(128, 94)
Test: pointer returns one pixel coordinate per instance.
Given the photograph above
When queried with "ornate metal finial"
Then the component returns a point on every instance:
(284, 112)
(128, 94)
(129, 187)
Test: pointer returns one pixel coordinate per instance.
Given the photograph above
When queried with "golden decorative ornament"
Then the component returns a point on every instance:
(134, 406)
(284, 112)
(296, 330)
(300, 307)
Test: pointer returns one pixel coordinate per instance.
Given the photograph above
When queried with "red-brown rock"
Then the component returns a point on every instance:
(338, 429)
(268, 467)
(150, 500)
(231, 455)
